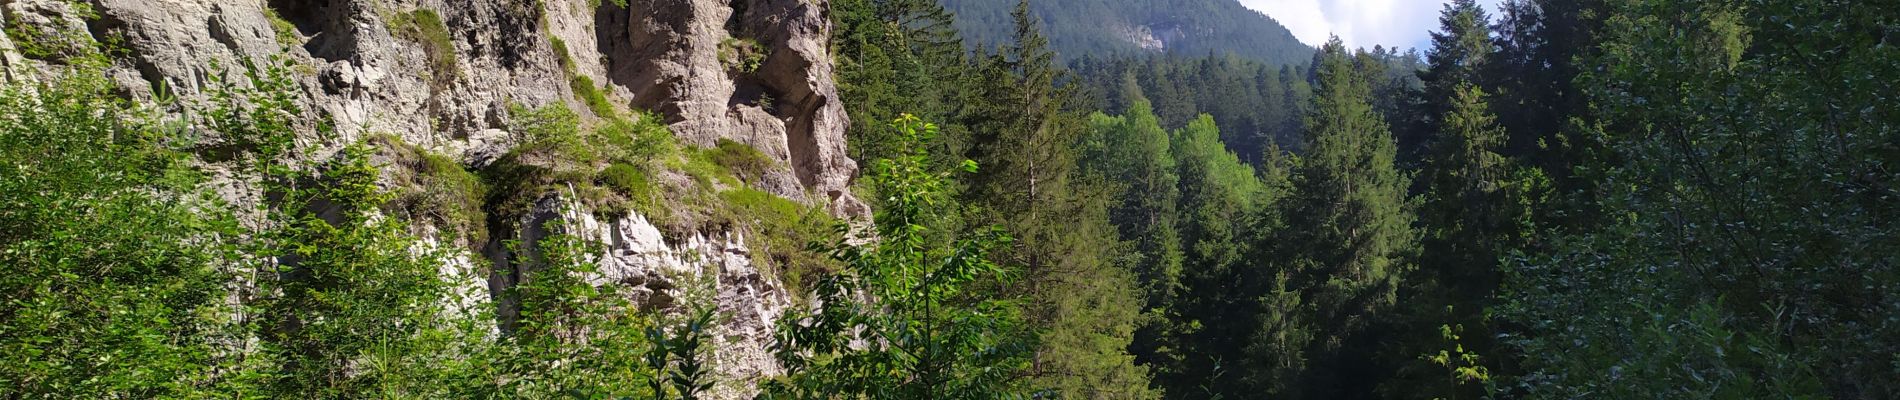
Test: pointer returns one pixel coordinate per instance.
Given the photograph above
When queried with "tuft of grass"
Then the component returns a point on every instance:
(593, 96)
(287, 34)
(584, 87)
(434, 189)
(424, 26)
(566, 58)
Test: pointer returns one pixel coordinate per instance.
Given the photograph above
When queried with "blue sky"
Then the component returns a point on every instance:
(1360, 23)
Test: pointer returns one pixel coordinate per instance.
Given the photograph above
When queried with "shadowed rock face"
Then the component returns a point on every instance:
(752, 71)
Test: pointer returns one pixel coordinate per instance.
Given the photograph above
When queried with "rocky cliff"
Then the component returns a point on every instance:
(450, 76)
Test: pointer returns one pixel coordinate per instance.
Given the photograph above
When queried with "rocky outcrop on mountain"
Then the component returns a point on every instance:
(753, 71)
(444, 75)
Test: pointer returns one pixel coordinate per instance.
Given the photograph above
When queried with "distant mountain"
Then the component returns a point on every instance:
(1079, 28)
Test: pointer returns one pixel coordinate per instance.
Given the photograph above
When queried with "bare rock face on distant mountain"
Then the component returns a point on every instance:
(756, 72)
(1079, 29)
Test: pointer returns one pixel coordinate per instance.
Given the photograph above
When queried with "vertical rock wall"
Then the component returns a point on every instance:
(751, 71)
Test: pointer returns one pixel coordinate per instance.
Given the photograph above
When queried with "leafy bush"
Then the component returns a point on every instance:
(739, 160)
(114, 274)
(742, 55)
(593, 96)
(913, 294)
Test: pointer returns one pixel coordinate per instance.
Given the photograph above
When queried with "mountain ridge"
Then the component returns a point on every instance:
(1113, 28)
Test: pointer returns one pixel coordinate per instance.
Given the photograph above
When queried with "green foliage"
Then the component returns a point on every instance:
(110, 289)
(676, 358)
(1744, 250)
(425, 27)
(1074, 288)
(570, 337)
(897, 57)
(130, 279)
(554, 129)
(1348, 235)
(353, 308)
(583, 86)
(57, 44)
(1256, 104)
(634, 183)
(287, 34)
(622, 154)
(593, 96)
(781, 231)
(1133, 149)
(743, 55)
(560, 50)
(741, 160)
(933, 339)
(435, 189)
(1349, 191)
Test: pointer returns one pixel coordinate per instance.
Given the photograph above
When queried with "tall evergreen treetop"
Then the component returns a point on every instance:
(1351, 206)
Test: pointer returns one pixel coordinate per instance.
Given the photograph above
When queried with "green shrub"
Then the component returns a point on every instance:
(111, 289)
(782, 232)
(424, 26)
(741, 160)
(742, 55)
(553, 129)
(54, 43)
(560, 50)
(636, 186)
(635, 140)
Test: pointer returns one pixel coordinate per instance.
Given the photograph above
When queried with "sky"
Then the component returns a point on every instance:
(1360, 23)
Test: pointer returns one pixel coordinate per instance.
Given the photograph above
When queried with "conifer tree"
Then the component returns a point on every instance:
(1073, 285)
(1348, 227)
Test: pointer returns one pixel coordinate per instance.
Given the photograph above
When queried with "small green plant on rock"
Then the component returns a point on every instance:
(287, 34)
(434, 189)
(742, 55)
(424, 26)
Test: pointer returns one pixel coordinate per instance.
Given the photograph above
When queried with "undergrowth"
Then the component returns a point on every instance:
(434, 189)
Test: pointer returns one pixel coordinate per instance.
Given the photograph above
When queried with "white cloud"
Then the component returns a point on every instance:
(1359, 23)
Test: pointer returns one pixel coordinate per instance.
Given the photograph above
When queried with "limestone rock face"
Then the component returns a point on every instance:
(751, 71)
(715, 270)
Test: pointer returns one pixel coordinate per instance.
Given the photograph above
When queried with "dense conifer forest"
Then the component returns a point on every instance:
(1558, 199)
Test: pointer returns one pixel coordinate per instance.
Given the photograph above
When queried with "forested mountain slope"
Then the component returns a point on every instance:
(1104, 28)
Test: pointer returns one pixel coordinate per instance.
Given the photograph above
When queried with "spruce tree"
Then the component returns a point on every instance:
(1349, 231)
(1076, 292)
